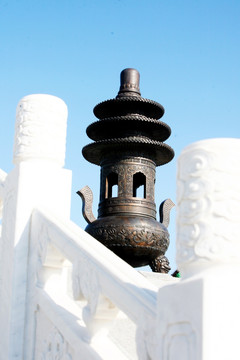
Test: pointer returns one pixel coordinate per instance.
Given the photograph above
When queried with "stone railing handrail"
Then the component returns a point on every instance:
(98, 276)
(119, 281)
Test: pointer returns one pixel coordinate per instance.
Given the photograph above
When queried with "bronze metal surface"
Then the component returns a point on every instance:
(128, 145)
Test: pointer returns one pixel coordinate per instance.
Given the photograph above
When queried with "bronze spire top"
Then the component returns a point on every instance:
(129, 83)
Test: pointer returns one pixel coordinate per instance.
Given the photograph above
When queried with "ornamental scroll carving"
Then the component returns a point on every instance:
(180, 335)
(48, 259)
(50, 342)
(40, 129)
(55, 347)
(208, 198)
(87, 199)
(86, 286)
(146, 337)
(85, 283)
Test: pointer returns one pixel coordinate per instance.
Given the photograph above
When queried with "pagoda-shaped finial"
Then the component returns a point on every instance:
(129, 83)
(129, 142)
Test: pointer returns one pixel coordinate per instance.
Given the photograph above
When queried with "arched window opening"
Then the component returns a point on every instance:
(139, 185)
(112, 185)
(114, 191)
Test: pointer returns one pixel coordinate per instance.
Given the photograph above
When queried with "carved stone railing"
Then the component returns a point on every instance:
(102, 285)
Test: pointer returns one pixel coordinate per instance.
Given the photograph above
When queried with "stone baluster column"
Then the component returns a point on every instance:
(199, 317)
(208, 214)
(36, 180)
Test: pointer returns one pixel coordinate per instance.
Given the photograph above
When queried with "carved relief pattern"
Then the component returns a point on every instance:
(113, 201)
(50, 343)
(164, 211)
(125, 171)
(55, 348)
(118, 169)
(179, 336)
(160, 265)
(150, 185)
(87, 199)
(208, 214)
(40, 129)
(131, 236)
(86, 286)
(146, 337)
(86, 283)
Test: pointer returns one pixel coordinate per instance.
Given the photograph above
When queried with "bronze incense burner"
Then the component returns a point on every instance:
(128, 145)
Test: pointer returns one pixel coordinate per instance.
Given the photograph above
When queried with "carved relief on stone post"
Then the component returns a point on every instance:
(146, 337)
(40, 129)
(50, 343)
(179, 338)
(208, 211)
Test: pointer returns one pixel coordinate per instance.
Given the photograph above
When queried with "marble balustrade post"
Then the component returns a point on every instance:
(37, 179)
(199, 317)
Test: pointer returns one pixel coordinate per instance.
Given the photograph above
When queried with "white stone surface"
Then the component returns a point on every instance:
(39, 181)
(158, 279)
(40, 129)
(208, 204)
(199, 317)
(50, 342)
(180, 321)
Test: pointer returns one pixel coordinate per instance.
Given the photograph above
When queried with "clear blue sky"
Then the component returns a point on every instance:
(187, 53)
